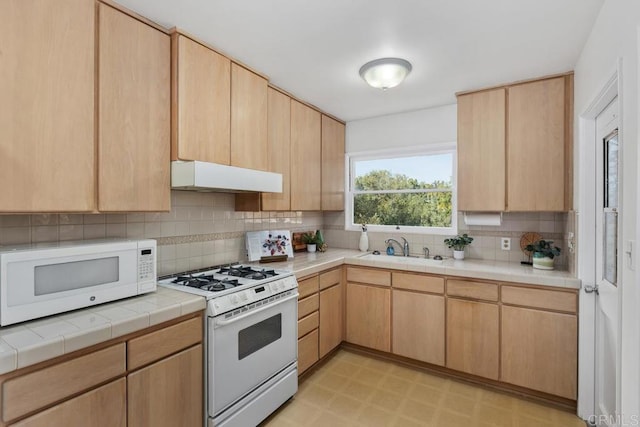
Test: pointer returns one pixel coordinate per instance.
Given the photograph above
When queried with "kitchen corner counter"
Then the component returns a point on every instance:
(38, 340)
(305, 264)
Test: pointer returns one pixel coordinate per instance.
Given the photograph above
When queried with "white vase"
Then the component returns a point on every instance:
(364, 242)
(458, 254)
(311, 247)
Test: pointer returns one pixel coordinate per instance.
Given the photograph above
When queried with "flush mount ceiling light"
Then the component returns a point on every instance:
(384, 73)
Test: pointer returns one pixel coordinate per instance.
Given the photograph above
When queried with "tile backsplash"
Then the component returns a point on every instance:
(486, 244)
(202, 229)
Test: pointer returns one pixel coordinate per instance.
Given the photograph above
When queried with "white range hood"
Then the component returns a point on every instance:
(203, 176)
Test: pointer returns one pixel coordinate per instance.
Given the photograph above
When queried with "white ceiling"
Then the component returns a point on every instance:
(314, 49)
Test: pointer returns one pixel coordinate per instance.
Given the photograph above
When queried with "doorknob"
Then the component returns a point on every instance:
(591, 289)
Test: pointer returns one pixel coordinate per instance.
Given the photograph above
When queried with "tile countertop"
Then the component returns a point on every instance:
(304, 264)
(31, 342)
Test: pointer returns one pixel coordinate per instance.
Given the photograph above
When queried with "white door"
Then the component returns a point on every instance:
(606, 265)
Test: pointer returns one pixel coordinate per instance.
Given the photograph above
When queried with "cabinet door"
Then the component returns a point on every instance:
(473, 337)
(481, 151)
(201, 112)
(536, 147)
(369, 316)
(307, 351)
(47, 73)
(540, 350)
(279, 149)
(248, 119)
(331, 312)
(134, 114)
(305, 158)
(168, 393)
(418, 326)
(332, 165)
(104, 406)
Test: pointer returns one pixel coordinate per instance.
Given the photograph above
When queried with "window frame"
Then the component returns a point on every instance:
(430, 149)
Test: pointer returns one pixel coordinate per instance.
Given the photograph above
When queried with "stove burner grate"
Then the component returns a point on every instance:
(247, 272)
(205, 282)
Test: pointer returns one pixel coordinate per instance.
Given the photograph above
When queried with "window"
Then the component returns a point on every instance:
(411, 191)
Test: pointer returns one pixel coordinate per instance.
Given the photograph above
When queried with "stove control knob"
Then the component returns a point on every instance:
(243, 296)
(233, 298)
(274, 287)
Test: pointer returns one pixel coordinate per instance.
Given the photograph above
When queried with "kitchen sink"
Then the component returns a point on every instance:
(412, 259)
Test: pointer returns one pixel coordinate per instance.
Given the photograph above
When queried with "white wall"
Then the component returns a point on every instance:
(419, 127)
(615, 35)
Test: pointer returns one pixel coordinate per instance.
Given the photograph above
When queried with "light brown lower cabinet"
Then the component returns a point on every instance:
(150, 378)
(167, 393)
(307, 351)
(418, 326)
(331, 306)
(473, 337)
(104, 406)
(369, 316)
(539, 350)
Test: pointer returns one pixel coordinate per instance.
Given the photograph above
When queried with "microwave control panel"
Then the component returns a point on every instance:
(146, 265)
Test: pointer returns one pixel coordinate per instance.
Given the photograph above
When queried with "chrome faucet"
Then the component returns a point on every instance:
(405, 246)
(426, 252)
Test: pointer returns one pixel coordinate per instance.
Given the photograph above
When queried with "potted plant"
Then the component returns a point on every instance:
(458, 244)
(543, 253)
(311, 240)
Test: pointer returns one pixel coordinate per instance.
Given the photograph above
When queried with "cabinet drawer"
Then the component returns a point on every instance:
(365, 275)
(33, 391)
(417, 282)
(540, 298)
(104, 406)
(330, 278)
(307, 351)
(156, 345)
(475, 290)
(308, 286)
(307, 306)
(308, 324)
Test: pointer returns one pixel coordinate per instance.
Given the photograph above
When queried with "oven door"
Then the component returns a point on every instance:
(247, 349)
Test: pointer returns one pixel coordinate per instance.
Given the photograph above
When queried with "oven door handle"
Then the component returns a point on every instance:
(251, 313)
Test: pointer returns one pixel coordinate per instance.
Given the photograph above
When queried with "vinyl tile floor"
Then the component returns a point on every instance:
(355, 390)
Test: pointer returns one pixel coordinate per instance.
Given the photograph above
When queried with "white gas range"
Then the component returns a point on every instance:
(251, 346)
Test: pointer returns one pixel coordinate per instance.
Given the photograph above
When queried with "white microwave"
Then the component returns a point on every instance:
(44, 279)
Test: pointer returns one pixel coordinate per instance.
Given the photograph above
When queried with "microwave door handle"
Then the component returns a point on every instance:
(251, 313)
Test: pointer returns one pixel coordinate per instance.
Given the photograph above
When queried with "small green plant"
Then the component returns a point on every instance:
(459, 242)
(543, 248)
(310, 238)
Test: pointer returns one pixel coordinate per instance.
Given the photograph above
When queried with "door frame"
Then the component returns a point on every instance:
(586, 225)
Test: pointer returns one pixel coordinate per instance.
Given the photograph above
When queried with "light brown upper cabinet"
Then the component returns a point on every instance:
(514, 147)
(248, 119)
(332, 164)
(134, 114)
(47, 81)
(536, 146)
(481, 151)
(201, 108)
(48, 128)
(279, 149)
(305, 158)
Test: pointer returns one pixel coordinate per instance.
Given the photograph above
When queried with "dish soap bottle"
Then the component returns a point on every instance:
(390, 250)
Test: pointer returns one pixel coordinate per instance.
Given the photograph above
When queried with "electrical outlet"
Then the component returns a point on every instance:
(505, 243)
